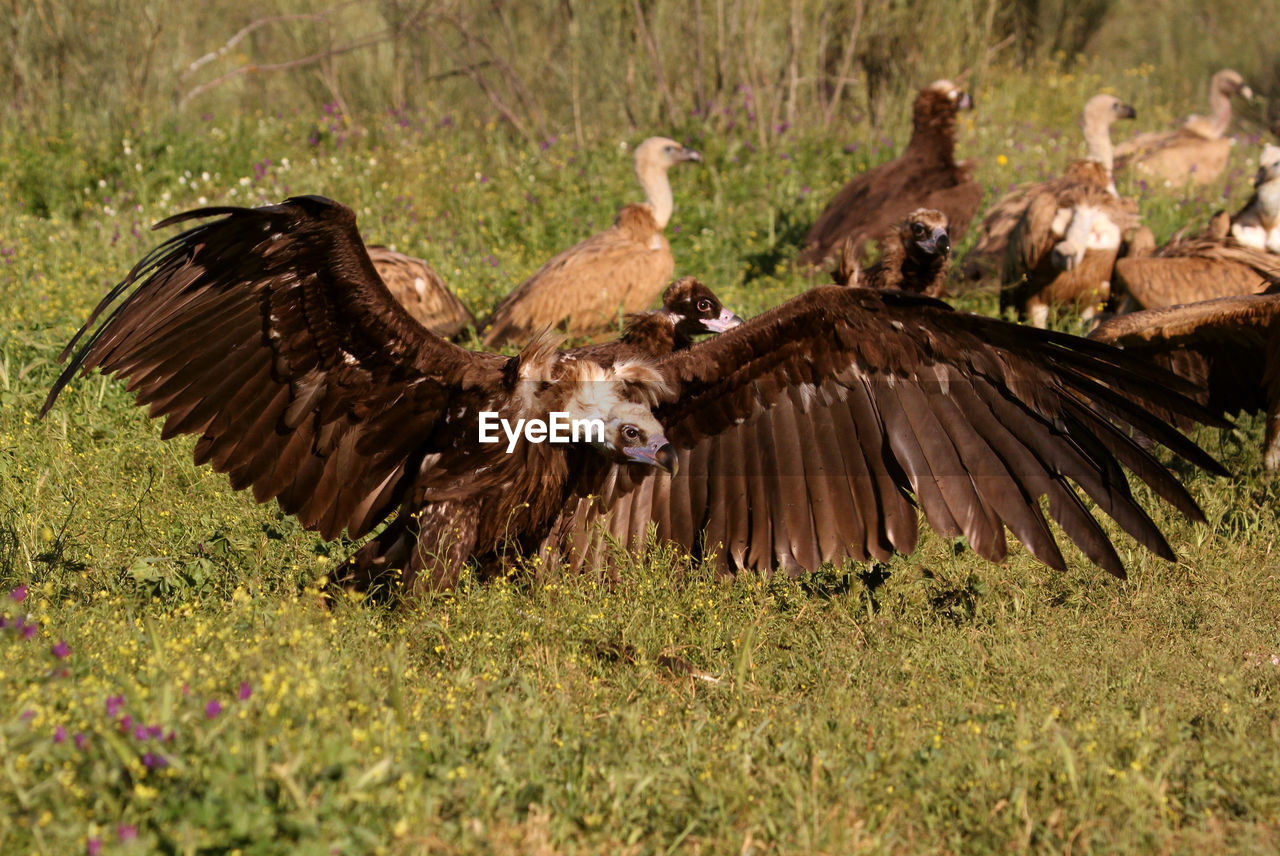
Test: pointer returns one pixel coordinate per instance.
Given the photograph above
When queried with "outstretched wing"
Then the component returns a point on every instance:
(1218, 345)
(268, 334)
(813, 432)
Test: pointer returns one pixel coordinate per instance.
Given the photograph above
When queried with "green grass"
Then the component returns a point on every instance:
(938, 704)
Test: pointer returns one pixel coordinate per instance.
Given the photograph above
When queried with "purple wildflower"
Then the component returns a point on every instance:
(82, 740)
(213, 708)
(59, 734)
(93, 846)
(125, 832)
(20, 593)
(114, 703)
(140, 732)
(245, 690)
(154, 761)
(61, 650)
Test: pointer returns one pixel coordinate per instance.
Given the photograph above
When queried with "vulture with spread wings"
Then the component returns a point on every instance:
(811, 433)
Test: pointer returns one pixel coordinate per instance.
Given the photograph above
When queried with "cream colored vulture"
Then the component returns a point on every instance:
(421, 292)
(590, 286)
(1229, 347)
(1257, 225)
(1198, 151)
(1096, 119)
(1062, 250)
(1187, 270)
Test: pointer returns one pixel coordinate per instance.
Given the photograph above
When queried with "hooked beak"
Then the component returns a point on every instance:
(1126, 111)
(965, 102)
(1246, 93)
(938, 242)
(691, 155)
(725, 321)
(658, 453)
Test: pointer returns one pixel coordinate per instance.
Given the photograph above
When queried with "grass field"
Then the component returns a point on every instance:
(172, 681)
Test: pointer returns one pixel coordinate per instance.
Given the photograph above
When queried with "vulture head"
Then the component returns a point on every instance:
(1101, 110)
(1229, 82)
(654, 157)
(946, 92)
(925, 231)
(1268, 166)
(695, 310)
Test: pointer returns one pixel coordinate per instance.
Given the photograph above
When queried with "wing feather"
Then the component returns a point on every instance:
(849, 406)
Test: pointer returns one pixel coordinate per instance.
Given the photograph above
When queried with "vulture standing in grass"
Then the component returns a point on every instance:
(811, 433)
(589, 286)
(1095, 170)
(1257, 225)
(925, 175)
(913, 257)
(1196, 152)
(1228, 347)
(1187, 270)
(422, 292)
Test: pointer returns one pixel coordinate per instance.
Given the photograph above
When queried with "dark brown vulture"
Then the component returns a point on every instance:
(589, 286)
(1229, 348)
(812, 433)
(913, 257)
(1196, 152)
(421, 292)
(1095, 170)
(1257, 224)
(689, 309)
(925, 175)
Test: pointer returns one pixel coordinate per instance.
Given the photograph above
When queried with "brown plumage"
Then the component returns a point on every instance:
(267, 334)
(1189, 270)
(987, 255)
(809, 434)
(1064, 247)
(925, 175)
(689, 309)
(421, 292)
(589, 286)
(913, 257)
(813, 432)
(1199, 150)
(1228, 347)
(1257, 224)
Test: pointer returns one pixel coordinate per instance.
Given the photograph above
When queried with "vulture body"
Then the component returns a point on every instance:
(809, 434)
(925, 175)
(1228, 347)
(421, 292)
(1100, 111)
(1189, 270)
(1199, 150)
(588, 287)
(1063, 250)
(1257, 224)
(913, 257)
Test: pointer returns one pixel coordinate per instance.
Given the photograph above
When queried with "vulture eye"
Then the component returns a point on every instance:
(917, 228)
(631, 433)
(704, 305)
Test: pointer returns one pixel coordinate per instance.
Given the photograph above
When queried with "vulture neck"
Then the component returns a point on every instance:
(654, 333)
(933, 129)
(657, 191)
(1097, 141)
(1219, 111)
(1269, 203)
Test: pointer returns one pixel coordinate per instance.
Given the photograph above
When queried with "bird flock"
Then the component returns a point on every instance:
(322, 373)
